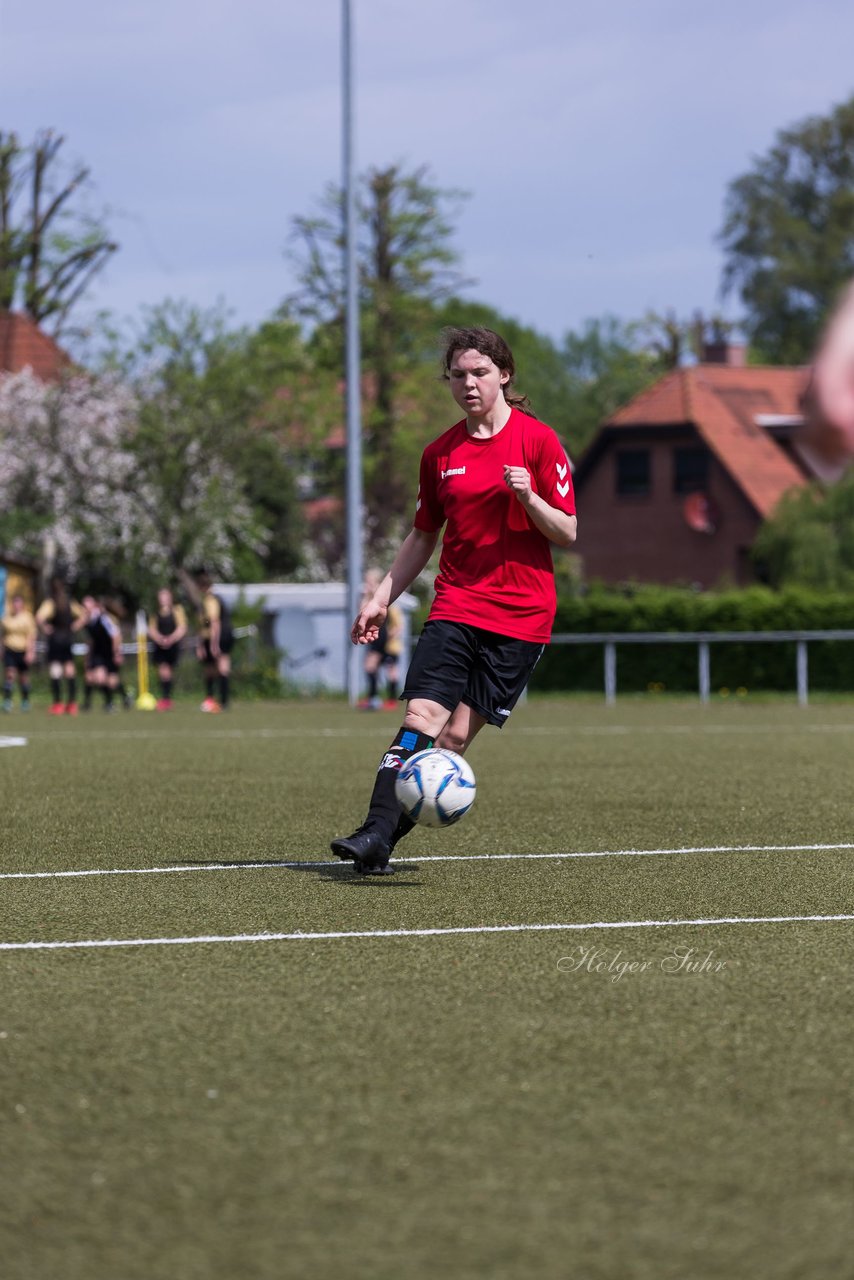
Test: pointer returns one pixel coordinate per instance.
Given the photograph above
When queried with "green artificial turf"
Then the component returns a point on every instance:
(483, 1104)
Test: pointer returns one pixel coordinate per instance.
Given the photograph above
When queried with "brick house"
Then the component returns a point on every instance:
(675, 486)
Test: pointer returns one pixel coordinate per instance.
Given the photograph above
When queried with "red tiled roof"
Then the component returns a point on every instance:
(722, 402)
(23, 345)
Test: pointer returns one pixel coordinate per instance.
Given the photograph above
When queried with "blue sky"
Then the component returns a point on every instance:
(595, 141)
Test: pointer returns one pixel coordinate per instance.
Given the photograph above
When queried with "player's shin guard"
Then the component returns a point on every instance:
(384, 810)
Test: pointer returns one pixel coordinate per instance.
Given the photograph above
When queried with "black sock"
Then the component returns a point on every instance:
(87, 696)
(72, 689)
(392, 691)
(25, 691)
(108, 696)
(384, 810)
(166, 690)
(56, 689)
(210, 685)
(7, 690)
(403, 828)
(372, 684)
(224, 690)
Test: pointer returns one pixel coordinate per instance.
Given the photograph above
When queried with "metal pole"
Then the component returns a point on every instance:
(803, 676)
(610, 673)
(353, 660)
(705, 680)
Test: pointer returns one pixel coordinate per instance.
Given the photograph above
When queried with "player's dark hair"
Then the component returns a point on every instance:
(488, 343)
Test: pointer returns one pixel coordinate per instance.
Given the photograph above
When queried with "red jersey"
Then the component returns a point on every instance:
(496, 569)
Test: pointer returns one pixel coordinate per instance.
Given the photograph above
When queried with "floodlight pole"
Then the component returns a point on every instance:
(353, 660)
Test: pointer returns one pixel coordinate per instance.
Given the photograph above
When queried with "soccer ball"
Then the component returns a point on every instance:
(435, 787)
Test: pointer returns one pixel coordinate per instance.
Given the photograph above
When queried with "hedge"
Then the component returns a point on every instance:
(674, 666)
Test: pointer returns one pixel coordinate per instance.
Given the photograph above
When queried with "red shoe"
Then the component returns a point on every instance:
(71, 709)
(390, 704)
(57, 709)
(211, 704)
(164, 704)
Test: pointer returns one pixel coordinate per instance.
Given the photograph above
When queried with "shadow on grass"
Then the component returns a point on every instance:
(332, 872)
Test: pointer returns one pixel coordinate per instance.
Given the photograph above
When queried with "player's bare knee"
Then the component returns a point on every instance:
(452, 740)
(425, 719)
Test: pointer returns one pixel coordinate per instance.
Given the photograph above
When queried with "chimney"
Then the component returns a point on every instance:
(733, 354)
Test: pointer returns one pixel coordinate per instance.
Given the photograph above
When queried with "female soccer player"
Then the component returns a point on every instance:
(60, 618)
(18, 630)
(166, 630)
(499, 482)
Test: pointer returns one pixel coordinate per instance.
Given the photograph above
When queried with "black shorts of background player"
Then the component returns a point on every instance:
(166, 630)
(59, 618)
(214, 645)
(18, 631)
(104, 659)
(499, 483)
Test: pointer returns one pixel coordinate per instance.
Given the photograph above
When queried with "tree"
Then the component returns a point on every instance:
(788, 234)
(407, 266)
(218, 489)
(51, 246)
(809, 541)
(66, 473)
(606, 364)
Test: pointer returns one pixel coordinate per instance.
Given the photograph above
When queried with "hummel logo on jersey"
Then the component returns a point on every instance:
(563, 489)
(454, 471)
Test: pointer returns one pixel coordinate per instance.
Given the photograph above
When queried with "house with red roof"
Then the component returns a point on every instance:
(23, 345)
(675, 486)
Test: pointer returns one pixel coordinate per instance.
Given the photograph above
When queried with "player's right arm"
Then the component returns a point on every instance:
(413, 556)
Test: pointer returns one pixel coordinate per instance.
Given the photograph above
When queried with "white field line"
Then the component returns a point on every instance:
(12, 742)
(57, 734)
(419, 933)
(443, 857)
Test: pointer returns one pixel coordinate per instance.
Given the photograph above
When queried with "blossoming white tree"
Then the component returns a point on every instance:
(94, 474)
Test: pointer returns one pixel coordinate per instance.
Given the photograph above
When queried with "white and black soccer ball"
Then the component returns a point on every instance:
(435, 787)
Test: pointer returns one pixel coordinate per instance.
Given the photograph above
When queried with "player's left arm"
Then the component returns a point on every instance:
(552, 509)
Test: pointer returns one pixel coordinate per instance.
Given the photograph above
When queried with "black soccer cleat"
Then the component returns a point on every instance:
(365, 849)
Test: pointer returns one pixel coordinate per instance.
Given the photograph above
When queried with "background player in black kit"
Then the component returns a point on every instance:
(166, 629)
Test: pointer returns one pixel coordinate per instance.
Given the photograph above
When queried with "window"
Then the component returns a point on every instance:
(633, 477)
(690, 470)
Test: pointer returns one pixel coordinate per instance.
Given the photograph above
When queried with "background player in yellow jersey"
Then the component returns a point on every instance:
(60, 618)
(214, 645)
(18, 629)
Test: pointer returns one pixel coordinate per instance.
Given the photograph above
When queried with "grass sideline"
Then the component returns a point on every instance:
(479, 1104)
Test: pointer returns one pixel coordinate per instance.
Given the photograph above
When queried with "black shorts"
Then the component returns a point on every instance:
(102, 658)
(59, 648)
(15, 660)
(166, 655)
(226, 644)
(454, 662)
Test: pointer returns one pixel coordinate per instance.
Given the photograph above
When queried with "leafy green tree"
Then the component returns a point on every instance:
(606, 364)
(809, 541)
(788, 234)
(406, 266)
(216, 485)
(51, 245)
